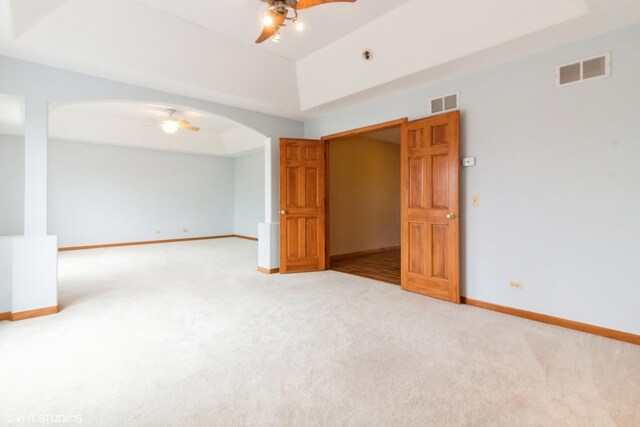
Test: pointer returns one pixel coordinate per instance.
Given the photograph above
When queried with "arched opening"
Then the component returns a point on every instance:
(138, 124)
(126, 173)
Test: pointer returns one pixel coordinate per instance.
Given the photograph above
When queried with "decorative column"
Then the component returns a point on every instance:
(35, 255)
(35, 168)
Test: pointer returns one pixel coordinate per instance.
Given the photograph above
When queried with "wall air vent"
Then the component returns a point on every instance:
(587, 69)
(445, 103)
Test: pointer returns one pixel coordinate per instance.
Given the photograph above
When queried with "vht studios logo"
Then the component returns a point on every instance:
(44, 419)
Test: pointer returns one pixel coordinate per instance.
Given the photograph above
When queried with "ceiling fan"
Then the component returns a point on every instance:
(171, 125)
(280, 11)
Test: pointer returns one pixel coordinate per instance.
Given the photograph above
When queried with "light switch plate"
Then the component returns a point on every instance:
(468, 161)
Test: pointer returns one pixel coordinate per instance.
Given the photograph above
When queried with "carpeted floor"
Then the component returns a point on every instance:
(189, 334)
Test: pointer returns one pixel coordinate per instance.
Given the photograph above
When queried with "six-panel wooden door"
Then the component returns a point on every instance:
(302, 205)
(430, 155)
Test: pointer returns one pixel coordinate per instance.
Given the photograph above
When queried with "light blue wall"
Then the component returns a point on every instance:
(11, 185)
(249, 193)
(558, 176)
(106, 194)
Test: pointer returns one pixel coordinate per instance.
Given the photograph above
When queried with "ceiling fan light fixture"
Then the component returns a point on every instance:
(280, 11)
(170, 126)
(267, 19)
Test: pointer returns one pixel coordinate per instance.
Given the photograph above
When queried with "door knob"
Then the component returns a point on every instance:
(283, 212)
(451, 215)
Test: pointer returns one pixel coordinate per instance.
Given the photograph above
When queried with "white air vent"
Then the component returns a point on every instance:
(587, 69)
(445, 103)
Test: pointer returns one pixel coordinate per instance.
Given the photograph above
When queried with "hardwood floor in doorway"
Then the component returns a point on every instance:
(383, 266)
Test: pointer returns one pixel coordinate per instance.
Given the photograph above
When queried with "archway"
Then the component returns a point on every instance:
(118, 177)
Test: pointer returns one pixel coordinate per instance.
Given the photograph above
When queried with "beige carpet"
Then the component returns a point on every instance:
(189, 334)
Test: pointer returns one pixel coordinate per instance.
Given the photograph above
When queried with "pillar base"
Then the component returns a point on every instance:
(28, 275)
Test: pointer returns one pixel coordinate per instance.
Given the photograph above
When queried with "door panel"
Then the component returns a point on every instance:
(439, 251)
(302, 205)
(418, 255)
(440, 181)
(416, 182)
(311, 187)
(430, 154)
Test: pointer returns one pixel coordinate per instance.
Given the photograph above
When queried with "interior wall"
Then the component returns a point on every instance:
(249, 193)
(364, 195)
(557, 178)
(98, 180)
(106, 194)
(11, 185)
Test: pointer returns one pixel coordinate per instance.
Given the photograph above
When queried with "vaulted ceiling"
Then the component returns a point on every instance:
(205, 49)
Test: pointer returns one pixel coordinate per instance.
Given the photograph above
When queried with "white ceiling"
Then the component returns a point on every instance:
(205, 49)
(240, 20)
(136, 125)
(139, 125)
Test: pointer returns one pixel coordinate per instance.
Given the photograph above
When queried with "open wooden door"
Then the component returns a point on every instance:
(430, 226)
(302, 205)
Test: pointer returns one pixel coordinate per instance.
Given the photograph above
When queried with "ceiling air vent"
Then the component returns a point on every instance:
(445, 103)
(587, 69)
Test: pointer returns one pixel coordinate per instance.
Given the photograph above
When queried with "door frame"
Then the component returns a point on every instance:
(400, 123)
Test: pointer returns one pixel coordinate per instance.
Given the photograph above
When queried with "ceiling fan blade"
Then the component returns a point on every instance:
(266, 33)
(186, 125)
(305, 4)
(270, 30)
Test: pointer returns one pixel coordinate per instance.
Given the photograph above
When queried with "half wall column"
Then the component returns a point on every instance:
(35, 255)
(35, 167)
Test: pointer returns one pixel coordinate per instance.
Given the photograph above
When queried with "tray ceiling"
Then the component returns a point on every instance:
(204, 49)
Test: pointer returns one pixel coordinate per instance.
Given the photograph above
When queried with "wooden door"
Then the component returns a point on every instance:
(430, 211)
(302, 205)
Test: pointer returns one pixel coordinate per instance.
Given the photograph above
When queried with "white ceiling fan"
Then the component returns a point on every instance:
(171, 124)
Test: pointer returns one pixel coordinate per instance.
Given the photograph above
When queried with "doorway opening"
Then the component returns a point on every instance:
(429, 204)
(363, 191)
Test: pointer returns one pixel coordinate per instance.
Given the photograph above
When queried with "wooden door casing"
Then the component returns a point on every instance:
(430, 155)
(302, 205)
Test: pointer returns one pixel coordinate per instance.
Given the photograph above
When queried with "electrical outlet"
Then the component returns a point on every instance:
(517, 286)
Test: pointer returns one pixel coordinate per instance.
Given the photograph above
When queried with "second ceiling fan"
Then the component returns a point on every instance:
(171, 124)
(280, 11)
